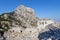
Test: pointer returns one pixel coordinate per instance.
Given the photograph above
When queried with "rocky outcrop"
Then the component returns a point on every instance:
(22, 24)
(26, 15)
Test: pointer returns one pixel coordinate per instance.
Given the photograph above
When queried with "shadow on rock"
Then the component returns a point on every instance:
(53, 34)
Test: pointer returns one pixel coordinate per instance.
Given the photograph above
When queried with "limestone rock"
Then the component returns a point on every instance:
(22, 24)
(26, 15)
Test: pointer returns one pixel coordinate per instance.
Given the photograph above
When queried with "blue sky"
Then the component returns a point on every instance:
(43, 8)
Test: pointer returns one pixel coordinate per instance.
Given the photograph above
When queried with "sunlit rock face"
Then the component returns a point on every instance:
(22, 24)
(22, 34)
(42, 23)
(26, 15)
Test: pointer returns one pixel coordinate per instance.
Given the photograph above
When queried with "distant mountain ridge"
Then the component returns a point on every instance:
(57, 20)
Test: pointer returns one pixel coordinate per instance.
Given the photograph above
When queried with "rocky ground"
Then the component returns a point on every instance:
(22, 24)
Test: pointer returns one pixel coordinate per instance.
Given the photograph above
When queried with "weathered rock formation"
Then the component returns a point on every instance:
(22, 24)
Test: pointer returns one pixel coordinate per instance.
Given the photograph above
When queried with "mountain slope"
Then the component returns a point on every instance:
(22, 24)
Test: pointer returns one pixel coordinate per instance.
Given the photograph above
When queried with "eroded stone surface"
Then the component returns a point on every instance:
(22, 24)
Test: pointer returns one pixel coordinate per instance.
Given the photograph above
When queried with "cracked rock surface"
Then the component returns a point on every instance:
(22, 24)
